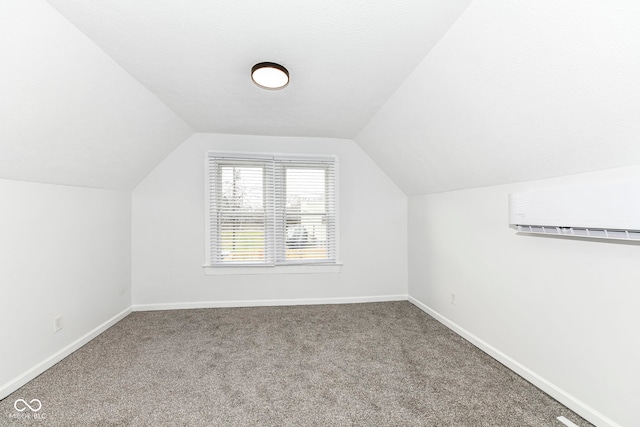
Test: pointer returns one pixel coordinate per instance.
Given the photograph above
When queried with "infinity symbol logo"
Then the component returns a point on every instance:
(35, 408)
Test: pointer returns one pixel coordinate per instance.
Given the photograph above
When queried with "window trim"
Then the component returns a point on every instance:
(272, 269)
(297, 267)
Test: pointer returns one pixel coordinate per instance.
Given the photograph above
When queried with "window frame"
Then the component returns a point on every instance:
(272, 263)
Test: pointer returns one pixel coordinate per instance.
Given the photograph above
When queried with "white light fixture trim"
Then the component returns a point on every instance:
(269, 75)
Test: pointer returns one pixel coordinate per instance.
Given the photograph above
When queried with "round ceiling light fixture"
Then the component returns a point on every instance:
(269, 75)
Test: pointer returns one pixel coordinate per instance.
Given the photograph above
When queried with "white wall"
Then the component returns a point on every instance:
(63, 251)
(568, 310)
(169, 237)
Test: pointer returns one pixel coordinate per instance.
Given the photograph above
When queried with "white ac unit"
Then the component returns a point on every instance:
(604, 212)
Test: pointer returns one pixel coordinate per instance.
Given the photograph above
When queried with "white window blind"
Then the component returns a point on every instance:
(270, 210)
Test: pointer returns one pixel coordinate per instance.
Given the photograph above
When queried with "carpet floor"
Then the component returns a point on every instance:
(376, 364)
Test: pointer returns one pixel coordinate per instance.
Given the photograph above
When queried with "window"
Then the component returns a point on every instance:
(265, 210)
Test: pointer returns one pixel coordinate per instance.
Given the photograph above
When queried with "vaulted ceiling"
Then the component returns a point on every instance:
(345, 57)
(516, 91)
(442, 94)
(69, 114)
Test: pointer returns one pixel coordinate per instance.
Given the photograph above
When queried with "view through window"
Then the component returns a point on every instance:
(271, 211)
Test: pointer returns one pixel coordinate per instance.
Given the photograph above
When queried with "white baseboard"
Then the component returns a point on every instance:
(266, 302)
(19, 381)
(557, 393)
(568, 400)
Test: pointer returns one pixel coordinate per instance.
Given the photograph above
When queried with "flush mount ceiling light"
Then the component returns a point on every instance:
(269, 75)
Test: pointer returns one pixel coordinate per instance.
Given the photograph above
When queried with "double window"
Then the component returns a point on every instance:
(265, 210)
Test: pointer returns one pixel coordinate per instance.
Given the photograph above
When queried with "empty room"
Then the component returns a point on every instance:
(333, 213)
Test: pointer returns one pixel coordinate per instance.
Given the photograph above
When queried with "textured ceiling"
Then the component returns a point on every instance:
(516, 91)
(345, 57)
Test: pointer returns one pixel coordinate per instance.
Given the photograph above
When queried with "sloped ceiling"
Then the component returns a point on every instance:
(515, 91)
(442, 94)
(345, 57)
(68, 113)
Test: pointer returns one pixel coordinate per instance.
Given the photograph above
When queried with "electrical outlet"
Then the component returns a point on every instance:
(453, 299)
(57, 323)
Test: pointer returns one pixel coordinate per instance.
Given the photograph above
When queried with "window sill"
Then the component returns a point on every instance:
(278, 269)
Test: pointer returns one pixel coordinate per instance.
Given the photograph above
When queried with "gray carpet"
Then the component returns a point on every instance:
(379, 364)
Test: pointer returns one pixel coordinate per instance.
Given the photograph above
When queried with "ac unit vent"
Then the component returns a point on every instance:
(579, 232)
(600, 212)
(598, 233)
(618, 234)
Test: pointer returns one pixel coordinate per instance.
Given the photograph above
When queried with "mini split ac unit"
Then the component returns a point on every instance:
(603, 212)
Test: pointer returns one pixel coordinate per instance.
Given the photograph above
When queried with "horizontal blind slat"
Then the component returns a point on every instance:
(305, 202)
(238, 208)
(266, 210)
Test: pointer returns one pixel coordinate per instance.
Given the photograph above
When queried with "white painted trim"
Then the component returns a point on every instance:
(543, 384)
(38, 369)
(273, 158)
(207, 212)
(336, 207)
(273, 269)
(567, 422)
(557, 393)
(239, 155)
(267, 302)
(24, 378)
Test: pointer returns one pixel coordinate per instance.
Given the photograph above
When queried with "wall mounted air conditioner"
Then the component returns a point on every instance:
(603, 212)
